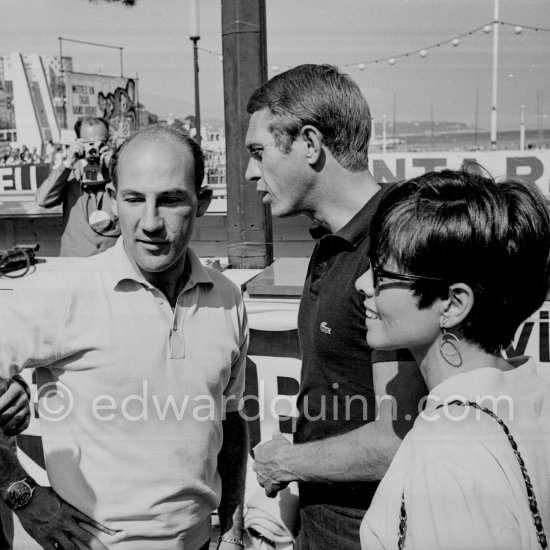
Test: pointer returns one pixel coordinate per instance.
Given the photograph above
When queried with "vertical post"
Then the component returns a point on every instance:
(138, 109)
(432, 130)
(394, 115)
(195, 37)
(249, 232)
(198, 137)
(540, 115)
(495, 79)
(63, 99)
(522, 129)
(384, 135)
(121, 63)
(476, 118)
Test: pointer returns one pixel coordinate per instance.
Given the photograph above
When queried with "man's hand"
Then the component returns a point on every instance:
(271, 474)
(74, 152)
(55, 524)
(105, 154)
(15, 412)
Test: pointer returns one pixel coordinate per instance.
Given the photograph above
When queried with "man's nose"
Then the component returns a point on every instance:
(151, 220)
(253, 170)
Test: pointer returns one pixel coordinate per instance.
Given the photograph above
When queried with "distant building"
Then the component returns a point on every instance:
(40, 97)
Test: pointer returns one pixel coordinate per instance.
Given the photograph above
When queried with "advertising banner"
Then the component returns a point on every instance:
(21, 182)
(531, 165)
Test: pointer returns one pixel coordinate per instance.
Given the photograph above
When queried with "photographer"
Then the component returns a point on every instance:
(89, 224)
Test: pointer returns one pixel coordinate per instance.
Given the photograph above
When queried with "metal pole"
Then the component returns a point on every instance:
(63, 107)
(522, 129)
(137, 102)
(195, 35)
(121, 64)
(476, 118)
(249, 230)
(384, 144)
(495, 79)
(195, 39)
(394, 115)
(432, 126)
(540, 115)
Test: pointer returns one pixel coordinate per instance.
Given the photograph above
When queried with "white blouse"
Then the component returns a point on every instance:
(461, 480)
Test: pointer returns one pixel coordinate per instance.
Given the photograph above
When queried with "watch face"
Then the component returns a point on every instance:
(19, 494)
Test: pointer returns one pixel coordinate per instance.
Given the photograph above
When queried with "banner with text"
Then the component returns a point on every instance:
(20, 182)
(532, 165)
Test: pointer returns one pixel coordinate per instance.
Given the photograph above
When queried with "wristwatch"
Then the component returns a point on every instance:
(20, 493)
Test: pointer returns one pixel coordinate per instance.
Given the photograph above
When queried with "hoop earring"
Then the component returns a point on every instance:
(449, 347)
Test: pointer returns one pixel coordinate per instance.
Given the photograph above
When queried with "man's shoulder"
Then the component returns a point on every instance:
(222, 283)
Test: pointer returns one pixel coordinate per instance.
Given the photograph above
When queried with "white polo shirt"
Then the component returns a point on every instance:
(131, 392)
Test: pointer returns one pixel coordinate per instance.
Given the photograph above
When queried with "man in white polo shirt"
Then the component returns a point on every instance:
(142, 353)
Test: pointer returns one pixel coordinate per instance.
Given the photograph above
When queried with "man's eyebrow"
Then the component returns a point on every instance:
(175, 191)
(126, 192)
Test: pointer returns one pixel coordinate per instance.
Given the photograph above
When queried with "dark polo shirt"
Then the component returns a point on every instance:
(337, 391)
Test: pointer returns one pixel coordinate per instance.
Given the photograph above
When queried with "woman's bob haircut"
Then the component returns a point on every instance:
(460, 226)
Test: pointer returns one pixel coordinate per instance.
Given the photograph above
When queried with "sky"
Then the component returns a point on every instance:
(444, 84)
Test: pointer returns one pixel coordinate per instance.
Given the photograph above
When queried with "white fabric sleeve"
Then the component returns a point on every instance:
(32, 319)
(455, 508)
(233, 393)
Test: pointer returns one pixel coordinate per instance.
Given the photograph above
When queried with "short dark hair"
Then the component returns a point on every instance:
(163, 131)
(464, 227)
(90, 121)
(327, 99)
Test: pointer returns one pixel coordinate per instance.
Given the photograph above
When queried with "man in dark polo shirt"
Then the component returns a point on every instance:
(308, 140)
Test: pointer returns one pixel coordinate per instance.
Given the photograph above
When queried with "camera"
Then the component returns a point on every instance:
(94, 173)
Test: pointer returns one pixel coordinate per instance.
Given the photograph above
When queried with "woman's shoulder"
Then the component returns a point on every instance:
(452, 423)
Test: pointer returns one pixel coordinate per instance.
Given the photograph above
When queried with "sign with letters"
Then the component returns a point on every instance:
(21, 182)
(531, 165)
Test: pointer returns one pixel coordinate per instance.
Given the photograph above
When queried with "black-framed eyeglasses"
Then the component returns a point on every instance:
(378, 272)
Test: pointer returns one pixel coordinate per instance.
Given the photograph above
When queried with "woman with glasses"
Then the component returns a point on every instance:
(458, 262)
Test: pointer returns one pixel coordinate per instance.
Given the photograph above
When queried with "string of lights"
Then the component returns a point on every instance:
(422, 52)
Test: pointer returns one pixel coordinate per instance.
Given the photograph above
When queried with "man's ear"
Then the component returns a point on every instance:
(458, 305)
(204, 195)
(313, 140)
(111, 191)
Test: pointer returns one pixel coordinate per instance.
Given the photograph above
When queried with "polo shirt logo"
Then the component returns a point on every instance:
(325, 328)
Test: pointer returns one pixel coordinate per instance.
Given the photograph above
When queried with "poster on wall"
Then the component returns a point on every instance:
(110, 97)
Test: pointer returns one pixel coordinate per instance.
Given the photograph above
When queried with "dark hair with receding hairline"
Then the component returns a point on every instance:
(154, 131)
(322, 96)
(90, 121)
(464, 227)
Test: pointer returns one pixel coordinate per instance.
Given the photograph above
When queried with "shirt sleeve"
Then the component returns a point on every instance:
(52, 190)
(465, 489)
(31, 324)
(453, 507)
(461, 492)
(233, 393)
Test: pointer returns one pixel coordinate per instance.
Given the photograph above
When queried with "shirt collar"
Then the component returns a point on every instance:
(477, 384)
(120, 268)
(358, 227)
